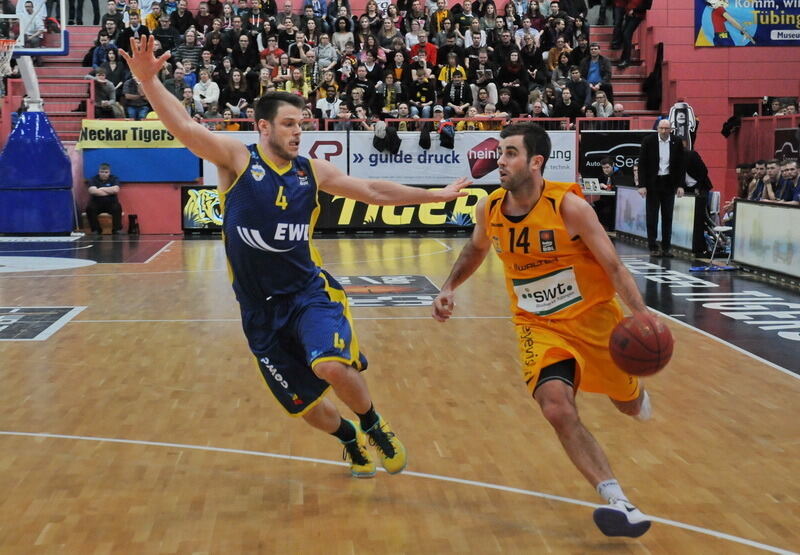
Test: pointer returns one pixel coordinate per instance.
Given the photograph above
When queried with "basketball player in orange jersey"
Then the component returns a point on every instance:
(562, 273)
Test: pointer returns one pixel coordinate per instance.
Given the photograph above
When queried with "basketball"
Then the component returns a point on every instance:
(641, 345)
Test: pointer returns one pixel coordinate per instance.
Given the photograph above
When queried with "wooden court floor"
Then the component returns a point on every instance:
(143, 426)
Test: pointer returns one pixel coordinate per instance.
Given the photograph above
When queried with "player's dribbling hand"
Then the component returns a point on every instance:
(443, 306)
(453, 190)
(143, 63)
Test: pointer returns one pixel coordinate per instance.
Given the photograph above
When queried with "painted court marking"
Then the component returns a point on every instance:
(165, 248)
(730, 345)
(71, 249)
(41, 239)
(485, 485)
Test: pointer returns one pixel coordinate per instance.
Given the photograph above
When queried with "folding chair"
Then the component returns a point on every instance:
(718, 236)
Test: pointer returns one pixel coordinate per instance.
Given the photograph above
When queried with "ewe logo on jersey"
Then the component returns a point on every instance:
(252, 238)
(291, 232)
(549, 293)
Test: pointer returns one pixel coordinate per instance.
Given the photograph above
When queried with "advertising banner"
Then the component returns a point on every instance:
(474, 156)
(338, 213)
(621, 146)
(631, 217)
(328, 145)
(767, 236)
(200, 209)
(787, 143)
(109, 133)
(747, 23)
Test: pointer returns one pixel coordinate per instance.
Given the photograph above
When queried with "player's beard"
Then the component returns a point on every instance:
(513, 181)
(278, 149)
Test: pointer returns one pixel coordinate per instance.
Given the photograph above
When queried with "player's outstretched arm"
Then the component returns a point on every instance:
(470, 259)
(383, 193)
(226, 153)
(581, 219)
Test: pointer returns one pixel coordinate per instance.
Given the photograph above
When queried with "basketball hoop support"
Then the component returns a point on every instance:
(33, 99)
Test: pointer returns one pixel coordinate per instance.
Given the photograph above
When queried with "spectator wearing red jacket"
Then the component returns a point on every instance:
(430, 49)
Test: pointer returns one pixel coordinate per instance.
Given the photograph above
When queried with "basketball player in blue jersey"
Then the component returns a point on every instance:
(294, 314)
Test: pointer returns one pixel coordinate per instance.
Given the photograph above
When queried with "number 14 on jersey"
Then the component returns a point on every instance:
(518, 240)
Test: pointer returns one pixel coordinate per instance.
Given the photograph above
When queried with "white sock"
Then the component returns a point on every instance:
(610, 490)
(646, 410)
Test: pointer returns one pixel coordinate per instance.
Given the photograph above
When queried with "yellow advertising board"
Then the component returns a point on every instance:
(109, 133)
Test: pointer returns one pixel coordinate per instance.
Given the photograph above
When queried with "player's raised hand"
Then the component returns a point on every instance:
(453, 190)
(143, 63)
(443, 306)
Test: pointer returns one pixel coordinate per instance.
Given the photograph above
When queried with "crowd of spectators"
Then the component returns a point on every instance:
(769, 181)
(779, 106)
(414, 60)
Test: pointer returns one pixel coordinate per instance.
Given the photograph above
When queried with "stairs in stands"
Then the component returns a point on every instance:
(627, 82)
(64, 102)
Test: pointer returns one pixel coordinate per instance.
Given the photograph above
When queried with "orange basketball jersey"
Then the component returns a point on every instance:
(549, 275)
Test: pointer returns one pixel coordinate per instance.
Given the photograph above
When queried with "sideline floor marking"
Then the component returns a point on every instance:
(486, 485)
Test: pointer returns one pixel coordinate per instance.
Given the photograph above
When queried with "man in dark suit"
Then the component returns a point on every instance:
(662, 176)
(697, 184)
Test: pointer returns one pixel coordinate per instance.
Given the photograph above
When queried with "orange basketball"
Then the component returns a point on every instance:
(641, 345)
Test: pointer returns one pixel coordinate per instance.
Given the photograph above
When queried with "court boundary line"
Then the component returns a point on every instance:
(731, 345)
(462, 481)
(47, 250)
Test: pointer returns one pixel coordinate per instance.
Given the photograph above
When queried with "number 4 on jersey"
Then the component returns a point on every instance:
(521, 242)
(280, 199)
(338, 342)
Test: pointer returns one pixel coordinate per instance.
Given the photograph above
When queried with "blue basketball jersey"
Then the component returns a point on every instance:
(269, 215)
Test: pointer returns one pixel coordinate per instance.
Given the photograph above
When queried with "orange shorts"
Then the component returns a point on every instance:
(584, 338)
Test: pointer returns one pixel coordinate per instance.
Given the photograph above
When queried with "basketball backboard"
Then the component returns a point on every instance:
(39, 26)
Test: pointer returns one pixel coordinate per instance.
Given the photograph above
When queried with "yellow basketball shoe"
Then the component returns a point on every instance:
(391, 450)
(355, 450)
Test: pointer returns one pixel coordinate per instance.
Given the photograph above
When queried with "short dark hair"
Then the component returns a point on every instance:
(267, 106)
(104, 166)
(606, 161)
(535, 138)
(761, 163)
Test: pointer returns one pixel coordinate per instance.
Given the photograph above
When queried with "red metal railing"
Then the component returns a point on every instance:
(16, 92)
(755, 140)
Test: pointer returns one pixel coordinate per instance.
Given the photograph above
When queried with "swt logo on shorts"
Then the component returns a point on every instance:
(547, 240)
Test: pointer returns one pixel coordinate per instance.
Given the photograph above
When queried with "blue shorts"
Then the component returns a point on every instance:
(290, 334)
